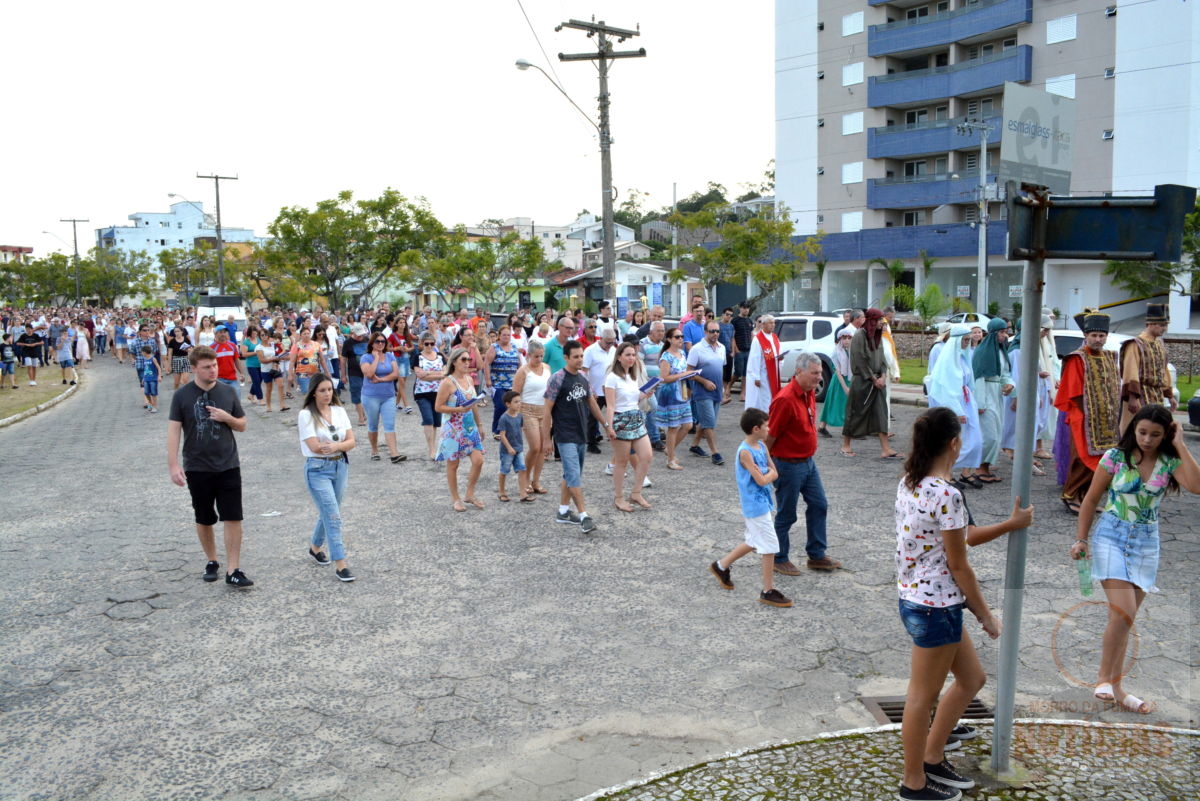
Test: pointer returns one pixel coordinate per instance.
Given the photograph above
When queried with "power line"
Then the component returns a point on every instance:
(537, 39)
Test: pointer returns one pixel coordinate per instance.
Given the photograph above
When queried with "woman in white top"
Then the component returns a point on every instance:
(622, 396)
(207, 335)
(530, 381)
(326, 436)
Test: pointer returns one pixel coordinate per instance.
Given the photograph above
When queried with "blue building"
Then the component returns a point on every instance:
(180, 228)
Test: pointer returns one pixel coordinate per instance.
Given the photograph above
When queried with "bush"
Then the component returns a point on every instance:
(993, 308)
(902, 297)
(961, 305)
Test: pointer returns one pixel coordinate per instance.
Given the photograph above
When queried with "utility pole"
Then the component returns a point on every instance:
(983, 129)
(216, 179)
(75, 239)
(603, 55)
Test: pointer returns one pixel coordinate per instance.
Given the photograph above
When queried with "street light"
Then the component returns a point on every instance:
(967, 128)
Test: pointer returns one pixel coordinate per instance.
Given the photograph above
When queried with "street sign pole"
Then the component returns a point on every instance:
(1014, 572)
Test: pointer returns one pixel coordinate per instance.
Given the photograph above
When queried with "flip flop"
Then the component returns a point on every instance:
(478, 504)
(640, 501)
(540, 490)
(847, 454)
(674, 466)
(527, 499)
(625, 508)
(1103, 691)
(1038, 470)
(988, 478)
(895, 455)
(1131, 703)
(459, 506)
(502, 497)
(1072, 507)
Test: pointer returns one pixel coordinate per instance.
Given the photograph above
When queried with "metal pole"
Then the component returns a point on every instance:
(220, 245)
(609, 250)
(1014, 574)
(983, 221)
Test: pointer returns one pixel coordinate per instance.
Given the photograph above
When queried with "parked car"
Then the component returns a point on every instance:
(810, 332)
(1067, 341)
(970, 317)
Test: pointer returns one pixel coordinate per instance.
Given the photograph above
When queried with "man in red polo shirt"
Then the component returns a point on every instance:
(793, 441)
(229, 363)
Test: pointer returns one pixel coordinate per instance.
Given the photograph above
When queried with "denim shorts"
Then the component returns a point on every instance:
(930, 626)
(572, 455)
(6, 368)
(705, 412)
(511, 462)
(1125, 551)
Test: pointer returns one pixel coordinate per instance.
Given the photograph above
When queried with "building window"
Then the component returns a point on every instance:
(178, 225)
(915, 118)
(1060, 30)
(1108, 134)
(1062, 85)
(917, 13)
(851, 221)
(852, 172)
(164, 224)
(1110, 72)
(852, 74)
(914, 217)
(914, 169)
(852, 123)
(971, 213)
(852, 23)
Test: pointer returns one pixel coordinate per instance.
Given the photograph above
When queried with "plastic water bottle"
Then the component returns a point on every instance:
(1084, 566)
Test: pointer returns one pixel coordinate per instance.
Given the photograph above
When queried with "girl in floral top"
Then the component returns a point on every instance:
(935, 584)
(1149, 461)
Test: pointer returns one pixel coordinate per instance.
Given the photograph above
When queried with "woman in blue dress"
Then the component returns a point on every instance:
(460, 427)
(951, 384)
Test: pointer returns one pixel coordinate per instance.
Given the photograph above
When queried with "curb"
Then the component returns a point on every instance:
(866, 730)
(41, 407)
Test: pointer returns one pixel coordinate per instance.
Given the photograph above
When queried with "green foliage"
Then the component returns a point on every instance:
(1017, 307)
(902, 296)
(760, 246)
(699, 201)
(345, 245)
(993, 308)
(927, 262)
(106, 275)
(1149, 278)
(631, 212)
(493, 269)
(931, 303)
(961, 305)
(111, 274)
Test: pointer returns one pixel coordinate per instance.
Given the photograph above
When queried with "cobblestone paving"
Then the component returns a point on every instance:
(1056, 762)
(485, 655)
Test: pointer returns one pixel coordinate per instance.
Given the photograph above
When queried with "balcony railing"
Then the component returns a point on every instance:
(945, 15)
(925, 191)
(932, 83)
(930, 136)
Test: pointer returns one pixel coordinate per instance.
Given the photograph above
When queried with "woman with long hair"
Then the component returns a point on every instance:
(936, 584)
(1149, 462)
(207, 333)
(460, 433)
(307, 357)
(177, 350)
(623, 397)
(248, 349)
(428, 373)
(400, 345)
(674, 408)
(326, 436)
(379, 371)
(531, 382)
(468, 341)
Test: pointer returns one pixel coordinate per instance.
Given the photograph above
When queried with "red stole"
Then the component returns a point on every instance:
(770, 350)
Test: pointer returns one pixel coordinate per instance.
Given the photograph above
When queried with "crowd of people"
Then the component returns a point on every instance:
(563, 385)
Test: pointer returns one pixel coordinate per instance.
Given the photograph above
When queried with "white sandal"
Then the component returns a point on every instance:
(1103, 691)
(1131, 703)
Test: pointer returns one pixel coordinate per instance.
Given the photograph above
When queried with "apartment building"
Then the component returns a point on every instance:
(181, 227)
(871, 147)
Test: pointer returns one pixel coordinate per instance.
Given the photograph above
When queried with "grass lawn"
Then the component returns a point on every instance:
(912, 371)
(26, 397)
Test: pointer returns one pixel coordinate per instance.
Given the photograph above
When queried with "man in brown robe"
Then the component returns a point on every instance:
(1144, 375)
(866, 408)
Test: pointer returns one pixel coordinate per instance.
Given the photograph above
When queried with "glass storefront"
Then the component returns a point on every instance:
(956, 283)
(847, 288)
(804, 292)
(1003, 282)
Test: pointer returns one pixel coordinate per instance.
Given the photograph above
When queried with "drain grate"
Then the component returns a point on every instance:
(890, 708)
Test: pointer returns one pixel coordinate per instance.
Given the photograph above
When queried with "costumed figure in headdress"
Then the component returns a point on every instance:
(1144, 375)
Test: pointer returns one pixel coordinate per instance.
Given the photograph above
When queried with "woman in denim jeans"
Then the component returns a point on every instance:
(936, 584)
(326, 436)
(378, 396)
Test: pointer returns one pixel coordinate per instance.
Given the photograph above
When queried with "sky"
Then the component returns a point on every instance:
(111, 106)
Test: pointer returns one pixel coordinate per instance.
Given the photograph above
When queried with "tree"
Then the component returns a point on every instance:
(1149, 278)
(927, 262)
(761, 246)
(901, 296)
(631, 213)
(491, 269)
(757, 189)
(49, 280)
(931, 303)
(111, 274)
(698, 201)
(895, 269)
(344, 245)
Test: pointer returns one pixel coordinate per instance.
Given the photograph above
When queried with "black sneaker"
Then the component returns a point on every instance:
(238, 579)
(774, 598)
(212, 571)
(659, 446)
(594, 448)
(344, 574)
(722, 575)
(319, 557)
(696, 450)
(952, 744)
(568, 517)
(964, 732)
(944, 773)
(587, 524)
(932, 791)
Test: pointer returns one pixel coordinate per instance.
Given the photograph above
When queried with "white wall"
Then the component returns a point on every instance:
(796, 110)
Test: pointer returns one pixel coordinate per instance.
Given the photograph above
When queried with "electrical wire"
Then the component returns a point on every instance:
(537, 39)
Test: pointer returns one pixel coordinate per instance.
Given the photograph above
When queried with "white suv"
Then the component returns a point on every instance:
(811, 332)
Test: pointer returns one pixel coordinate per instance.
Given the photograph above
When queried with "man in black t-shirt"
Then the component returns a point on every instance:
(29, 350)
(569, 403)
(743, 331)
(204, 414)
(353, 349)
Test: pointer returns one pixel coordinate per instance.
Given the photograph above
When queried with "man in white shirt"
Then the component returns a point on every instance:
(597, 358)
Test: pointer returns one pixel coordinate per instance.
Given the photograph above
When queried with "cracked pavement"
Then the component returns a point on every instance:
(485, 655)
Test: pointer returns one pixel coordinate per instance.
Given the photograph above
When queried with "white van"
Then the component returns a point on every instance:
(220, 307)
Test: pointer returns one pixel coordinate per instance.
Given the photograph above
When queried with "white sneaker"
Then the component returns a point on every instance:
(608, 471)
(646, 482)
(34, 384)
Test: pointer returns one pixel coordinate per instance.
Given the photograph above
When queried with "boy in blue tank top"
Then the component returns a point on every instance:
(755, 474)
